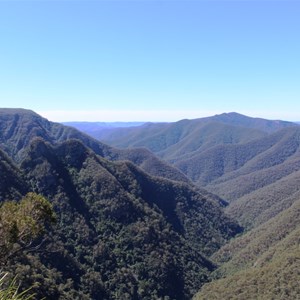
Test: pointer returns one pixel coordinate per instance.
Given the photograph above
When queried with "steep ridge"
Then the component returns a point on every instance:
(12, 183)
(240, 159)
(191, 135)
(205, 137)
(255, 243)
(19, 126)
(184, 136)
(124, 233)
(234, 185)
(263, 204)
(260, 177)
(262, 264)
(266, 184)
(251, 163)
(120, 232)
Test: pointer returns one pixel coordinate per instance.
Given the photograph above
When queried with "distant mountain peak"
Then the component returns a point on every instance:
(236, 115)
(14, 111)
(239, 116)
(238, 119)
(232, 113)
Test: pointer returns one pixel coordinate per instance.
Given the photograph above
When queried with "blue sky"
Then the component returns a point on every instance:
(149, 60)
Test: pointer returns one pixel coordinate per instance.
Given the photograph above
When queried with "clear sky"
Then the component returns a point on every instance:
(149, 60)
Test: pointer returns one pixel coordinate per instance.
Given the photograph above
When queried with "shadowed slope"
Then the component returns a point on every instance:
(19, 126)
(188, 137)
(141, 236)
(12, 183)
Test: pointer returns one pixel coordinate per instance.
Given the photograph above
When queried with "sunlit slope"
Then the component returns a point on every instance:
(262, 264)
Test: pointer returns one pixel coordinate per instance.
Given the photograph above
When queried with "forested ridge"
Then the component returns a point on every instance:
(120, 232)
(251, 163)
(203, 131)
(262, 264)
(131, 226)
(19, 126)
(254, 165)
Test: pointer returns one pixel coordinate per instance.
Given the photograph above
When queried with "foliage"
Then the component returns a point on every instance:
(276, 279)
(19, 127)
(262, 264)
(259, 178)
(10, 291)
(12, 183)
(245, 250)
(126, 232)
(230, 154)
(21, 223)
(185, 134)
(252, 163)
(122, 233)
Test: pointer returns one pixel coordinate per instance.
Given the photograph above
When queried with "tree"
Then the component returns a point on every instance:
(22, 223)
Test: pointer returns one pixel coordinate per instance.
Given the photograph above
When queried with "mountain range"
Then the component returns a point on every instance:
(231, 155)
(253, 164)
(121, 231)
(210, 204)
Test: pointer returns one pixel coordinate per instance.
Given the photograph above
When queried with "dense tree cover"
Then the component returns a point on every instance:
(11, 183)
(278, 279)
(259, 178)
(18, 127)
(120, 232)
(262, 264)
(211, 151)
(188, 135)
(141, 237)
(261, 205)
(252, 163)
(225, 162)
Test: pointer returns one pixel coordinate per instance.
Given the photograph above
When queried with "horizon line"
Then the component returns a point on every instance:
(154, 116)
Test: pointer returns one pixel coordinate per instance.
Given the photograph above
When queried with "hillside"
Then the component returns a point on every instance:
(277, 280)
(251, 163)
(120, 232)
(12, 183)
(18, 127)
(236, 160)
(188, 136)
(254, 165)
(183, 137)
(260, 187)
(125, 233)
(259, 178)
(262, 264)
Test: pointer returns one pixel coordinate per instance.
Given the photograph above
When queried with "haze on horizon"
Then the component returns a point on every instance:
(150, 60)
(150, 116)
